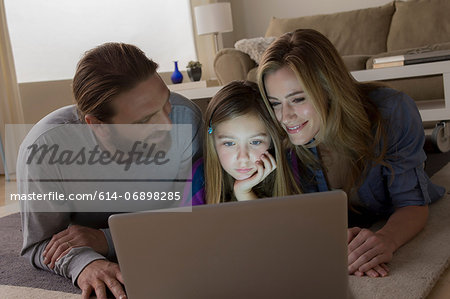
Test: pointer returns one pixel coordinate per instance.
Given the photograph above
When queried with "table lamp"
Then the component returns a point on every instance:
(213, 18)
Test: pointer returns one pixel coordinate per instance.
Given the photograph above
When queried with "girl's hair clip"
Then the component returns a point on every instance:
(210, 130)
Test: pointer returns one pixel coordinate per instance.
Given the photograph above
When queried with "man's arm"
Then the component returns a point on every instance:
(185, 111)
(37, 231)
(72, 237)
(40, 220)
(83, 265)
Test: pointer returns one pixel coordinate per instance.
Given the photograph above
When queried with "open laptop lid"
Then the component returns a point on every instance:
(286, 247)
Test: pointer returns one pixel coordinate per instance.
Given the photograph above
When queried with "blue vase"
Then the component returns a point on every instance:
(177, 76)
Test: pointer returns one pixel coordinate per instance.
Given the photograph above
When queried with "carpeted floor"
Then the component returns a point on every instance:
(15, 292)
(410, 277)
(418, 265)
(15, 270)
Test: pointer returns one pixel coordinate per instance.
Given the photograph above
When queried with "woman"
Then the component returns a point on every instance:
(360, 137)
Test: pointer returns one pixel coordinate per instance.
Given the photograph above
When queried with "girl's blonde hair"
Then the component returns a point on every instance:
(351, 124)
(236, 99)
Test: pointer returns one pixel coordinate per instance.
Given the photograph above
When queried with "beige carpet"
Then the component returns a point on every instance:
(14, 292)
(414, 271)
(417, 266)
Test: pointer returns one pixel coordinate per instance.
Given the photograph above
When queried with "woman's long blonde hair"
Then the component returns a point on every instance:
(351, 124)
(236, 99)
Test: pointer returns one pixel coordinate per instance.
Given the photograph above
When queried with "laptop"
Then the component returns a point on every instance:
(285, 247)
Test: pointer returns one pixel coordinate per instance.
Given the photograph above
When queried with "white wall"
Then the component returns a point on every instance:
(251, 17)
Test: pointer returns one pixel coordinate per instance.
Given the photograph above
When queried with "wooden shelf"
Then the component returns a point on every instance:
(432, 110)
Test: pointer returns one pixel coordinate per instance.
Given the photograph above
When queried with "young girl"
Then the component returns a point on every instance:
(363, 138)
(243, 156)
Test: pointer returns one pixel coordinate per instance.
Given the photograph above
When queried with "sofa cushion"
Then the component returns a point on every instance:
(419, 88)
(362, 31)
(355, 62)
(419, 23)
(254, 47)
(231, 64)
(252, 75)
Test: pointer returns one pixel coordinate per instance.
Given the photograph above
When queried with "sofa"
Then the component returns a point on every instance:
(399, 27)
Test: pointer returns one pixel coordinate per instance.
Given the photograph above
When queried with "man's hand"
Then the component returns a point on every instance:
(72, 237)
(243, 188)
(368, 252)
(99, 275)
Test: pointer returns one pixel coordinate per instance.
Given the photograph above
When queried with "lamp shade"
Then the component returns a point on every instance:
(213, 18)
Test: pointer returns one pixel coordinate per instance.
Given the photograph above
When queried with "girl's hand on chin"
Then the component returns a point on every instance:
(264, 166)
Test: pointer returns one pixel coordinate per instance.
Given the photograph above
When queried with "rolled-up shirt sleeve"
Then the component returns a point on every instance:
(39, 227)
(406, 180)
(37, 232)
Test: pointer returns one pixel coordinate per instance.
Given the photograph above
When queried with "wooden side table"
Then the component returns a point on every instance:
(187, 85)
(200, 96)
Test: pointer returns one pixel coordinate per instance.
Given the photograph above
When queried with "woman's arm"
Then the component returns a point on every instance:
(403, 185)
(367, 249)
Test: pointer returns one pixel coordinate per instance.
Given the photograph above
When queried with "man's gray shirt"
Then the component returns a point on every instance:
(39, 227)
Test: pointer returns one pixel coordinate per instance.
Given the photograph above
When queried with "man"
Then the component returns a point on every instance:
(116, 84)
